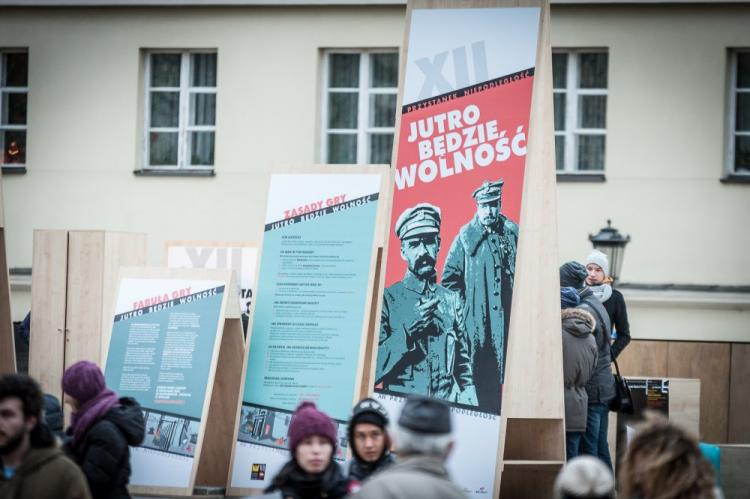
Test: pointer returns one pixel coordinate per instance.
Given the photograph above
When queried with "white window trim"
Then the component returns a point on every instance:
(572, 131)
(183, 128)
(363, 95)
(15, 90)
(732, 118)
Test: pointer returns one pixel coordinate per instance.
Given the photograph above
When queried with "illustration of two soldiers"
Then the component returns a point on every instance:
(448, 340)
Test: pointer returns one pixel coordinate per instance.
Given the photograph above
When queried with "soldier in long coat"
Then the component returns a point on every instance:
(480, 268)
(423, 346)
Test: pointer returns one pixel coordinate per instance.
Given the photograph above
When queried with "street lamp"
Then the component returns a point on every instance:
(610, 242)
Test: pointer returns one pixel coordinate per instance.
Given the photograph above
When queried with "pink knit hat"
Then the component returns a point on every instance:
(307, 421)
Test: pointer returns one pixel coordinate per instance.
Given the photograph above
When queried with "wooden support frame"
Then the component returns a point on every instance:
(210, 461)
(7, 342)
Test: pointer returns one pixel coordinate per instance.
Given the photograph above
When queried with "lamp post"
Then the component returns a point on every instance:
(610, 242)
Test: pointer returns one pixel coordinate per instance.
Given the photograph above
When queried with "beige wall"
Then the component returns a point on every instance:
(665, 133)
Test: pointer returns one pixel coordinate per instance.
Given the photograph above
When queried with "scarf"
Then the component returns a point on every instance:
(603, 291)
(90, 412)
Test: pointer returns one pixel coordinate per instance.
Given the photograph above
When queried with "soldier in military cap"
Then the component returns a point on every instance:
(423, 346)
(480, 268)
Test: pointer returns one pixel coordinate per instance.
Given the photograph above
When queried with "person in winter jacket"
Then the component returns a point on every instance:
(312, 471)
(424, 441)
(600, 283)
(579, 361)
(585, 477)
(369, 440)
(102, 428)
(32, 466)
(601, 386)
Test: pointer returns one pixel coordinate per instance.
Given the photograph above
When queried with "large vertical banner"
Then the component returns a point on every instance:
(310, 320)
(240, 257)
(450, 266)
(163, 351)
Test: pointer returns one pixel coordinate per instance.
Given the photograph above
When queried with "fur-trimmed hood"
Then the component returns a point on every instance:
(578, 322)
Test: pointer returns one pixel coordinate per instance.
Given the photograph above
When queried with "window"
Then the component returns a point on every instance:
(739, 113)
(359, 106)
(180, 110)
(580, 100)
(14, 92)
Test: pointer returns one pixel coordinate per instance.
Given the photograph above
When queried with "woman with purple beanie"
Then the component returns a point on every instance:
(101, 429)
(312, 472)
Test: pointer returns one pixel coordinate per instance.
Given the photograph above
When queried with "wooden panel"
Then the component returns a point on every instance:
(644, 359)
(527, 481)
(545, 435)
(739, 395)
(48, 290)
(7, 342)
(371, 341)
(685, 403)
(735, 480)
(708, 362)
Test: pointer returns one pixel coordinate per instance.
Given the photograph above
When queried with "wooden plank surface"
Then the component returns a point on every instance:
(7, 341)
(48, 302)
(739, 395)
(708, 362)
(684, 403)
(644, 359)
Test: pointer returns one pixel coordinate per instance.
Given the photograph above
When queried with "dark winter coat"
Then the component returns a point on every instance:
(601, 386)
(103, 452)
(294, 483)
(357, 470)
(579, 359)
(45, 474)
(618, 315)
(415, 477)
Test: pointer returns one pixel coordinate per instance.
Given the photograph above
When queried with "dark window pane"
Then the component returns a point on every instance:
(382, 110)
(165, 70)
(204, 70)
(203, 109)
(14, 108)
(384, 70)
(202, 148)
(591, 152)
(16, 69)
(559, 103)
(165, 109)
(559, 70)
(560, 152)
(742, 154)
(14, 147)
(743, 70)
(342, 110)
(343, 70)
(592, 111)
(163, 149)
(381, 146)
(592, 70)
(742, 122)
(342, 148)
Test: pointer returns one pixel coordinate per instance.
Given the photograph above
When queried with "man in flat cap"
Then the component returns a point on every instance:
(480, 267)
(424, 440)
(423, 345)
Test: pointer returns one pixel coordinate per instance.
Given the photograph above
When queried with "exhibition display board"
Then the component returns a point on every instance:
(470, 301)
(7, 343)
(308, 334)
(72, 293)
(240, 257)
(175, 347)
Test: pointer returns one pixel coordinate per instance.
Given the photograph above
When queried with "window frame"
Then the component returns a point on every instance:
(14, 167)
(183, 121)
(572, 130)
(729, 167)
(364, 91)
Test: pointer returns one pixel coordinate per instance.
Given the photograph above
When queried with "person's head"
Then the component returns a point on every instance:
(82, 382)
(569, 298)
(585, 477)
(663, 460)
(20, 413)
(489, 202)
(418, 228)
(597, 268)
(312, 438)
(573, 275)
(367, 431)
(424, 428)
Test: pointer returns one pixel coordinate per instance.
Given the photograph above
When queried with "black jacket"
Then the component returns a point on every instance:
(618, 314)
(601, 386)
(295, 483)
(103, 452)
